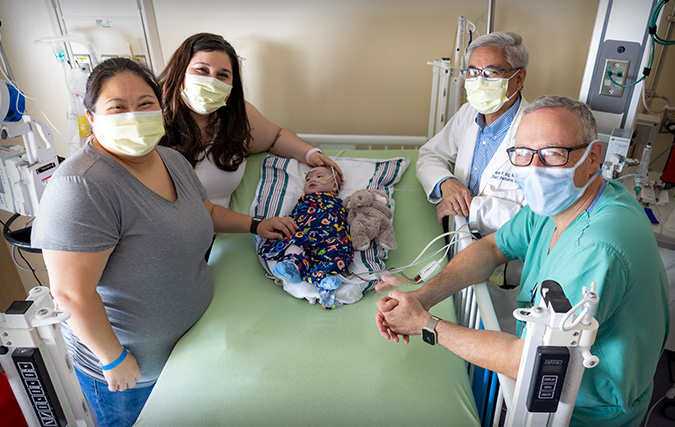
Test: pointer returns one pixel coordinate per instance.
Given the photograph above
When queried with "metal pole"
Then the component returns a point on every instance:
(5, 62)
(490, 17)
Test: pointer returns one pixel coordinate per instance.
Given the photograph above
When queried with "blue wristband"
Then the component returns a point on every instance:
(116, 362)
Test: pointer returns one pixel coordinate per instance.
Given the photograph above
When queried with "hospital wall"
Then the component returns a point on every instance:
(326, 66)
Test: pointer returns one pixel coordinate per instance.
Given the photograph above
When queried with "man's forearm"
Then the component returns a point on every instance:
(497, 351)
(473, 265)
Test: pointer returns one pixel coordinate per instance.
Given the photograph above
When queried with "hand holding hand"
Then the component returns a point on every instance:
(277, 227)
(400, 313)
(456, 199)
(384, 305)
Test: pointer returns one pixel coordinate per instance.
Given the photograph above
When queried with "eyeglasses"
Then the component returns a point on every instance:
(549, 156)
(488, 73)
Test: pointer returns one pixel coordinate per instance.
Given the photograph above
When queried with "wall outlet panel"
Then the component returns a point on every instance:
(618, 70)
(612, 52)
(668, 116)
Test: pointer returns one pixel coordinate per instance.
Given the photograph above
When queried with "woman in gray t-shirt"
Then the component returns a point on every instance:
(124, 226)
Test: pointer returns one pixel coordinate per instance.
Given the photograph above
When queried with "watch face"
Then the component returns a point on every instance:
(428, 336)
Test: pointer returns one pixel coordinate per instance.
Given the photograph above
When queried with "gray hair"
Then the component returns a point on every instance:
(510, 43)
(589, 130)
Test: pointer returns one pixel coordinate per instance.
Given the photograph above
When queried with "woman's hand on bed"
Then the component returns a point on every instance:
(277, 227)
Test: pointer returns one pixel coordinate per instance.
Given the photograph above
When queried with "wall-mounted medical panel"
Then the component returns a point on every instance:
(617, 55)
(124, 28)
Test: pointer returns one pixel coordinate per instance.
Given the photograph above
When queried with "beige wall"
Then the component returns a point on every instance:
(359, 67)
(324, 66)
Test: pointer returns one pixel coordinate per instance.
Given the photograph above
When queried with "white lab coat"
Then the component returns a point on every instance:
(499, 197)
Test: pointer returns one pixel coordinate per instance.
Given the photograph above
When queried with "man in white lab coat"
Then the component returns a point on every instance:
(465, 168)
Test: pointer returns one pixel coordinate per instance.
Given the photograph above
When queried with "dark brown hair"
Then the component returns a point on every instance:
(109, 69)
(229, 124)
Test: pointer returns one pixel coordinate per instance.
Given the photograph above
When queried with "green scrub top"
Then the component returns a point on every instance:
(613, 245)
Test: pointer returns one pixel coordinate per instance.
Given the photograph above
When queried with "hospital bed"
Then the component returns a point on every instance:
(259, 357)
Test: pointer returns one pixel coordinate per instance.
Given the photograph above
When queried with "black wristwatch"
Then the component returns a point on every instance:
(429, 331)
(255, 221)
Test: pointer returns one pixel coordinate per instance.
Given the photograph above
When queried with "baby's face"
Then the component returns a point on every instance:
(320, 180)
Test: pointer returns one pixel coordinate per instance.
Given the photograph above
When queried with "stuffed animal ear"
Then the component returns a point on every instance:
(380, 196)
(346, 202)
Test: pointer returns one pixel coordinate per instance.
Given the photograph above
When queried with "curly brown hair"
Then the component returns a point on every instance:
(229, 124)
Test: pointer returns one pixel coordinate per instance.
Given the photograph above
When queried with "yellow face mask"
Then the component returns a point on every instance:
(487, 96)
(205, 94)
(132, 134)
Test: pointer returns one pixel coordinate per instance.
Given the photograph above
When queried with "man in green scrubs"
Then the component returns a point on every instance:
(577, 229)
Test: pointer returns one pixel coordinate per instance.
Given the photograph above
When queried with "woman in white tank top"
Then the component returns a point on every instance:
(207, 119)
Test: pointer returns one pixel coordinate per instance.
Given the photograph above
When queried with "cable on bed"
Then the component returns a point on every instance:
(427, 271)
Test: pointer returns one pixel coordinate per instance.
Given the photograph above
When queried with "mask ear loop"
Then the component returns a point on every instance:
(583, 159)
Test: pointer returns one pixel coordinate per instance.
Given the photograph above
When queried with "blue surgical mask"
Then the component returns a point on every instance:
(551, 190)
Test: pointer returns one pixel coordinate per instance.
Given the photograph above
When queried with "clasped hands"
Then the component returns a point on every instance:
(399, 313)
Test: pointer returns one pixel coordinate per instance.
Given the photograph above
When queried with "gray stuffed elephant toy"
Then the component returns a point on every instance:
(369, 218)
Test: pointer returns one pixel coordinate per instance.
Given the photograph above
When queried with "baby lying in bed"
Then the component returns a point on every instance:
(321, 247)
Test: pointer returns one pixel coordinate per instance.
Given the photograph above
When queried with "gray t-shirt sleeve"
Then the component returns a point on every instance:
(76, 215)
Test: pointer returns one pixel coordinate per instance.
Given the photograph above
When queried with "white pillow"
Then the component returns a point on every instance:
(281, 184)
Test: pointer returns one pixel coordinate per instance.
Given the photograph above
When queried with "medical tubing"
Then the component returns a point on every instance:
(419, 259)
(399, 270)
(116, 362)
(649, 414)
(30, 269)
(647, 107)
(625, 176)
(448, 233)
(653, 24)
(444, 248)
(645, 71)
(654, 38)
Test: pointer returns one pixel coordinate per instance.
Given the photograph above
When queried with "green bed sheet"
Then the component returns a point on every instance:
(260, 357)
